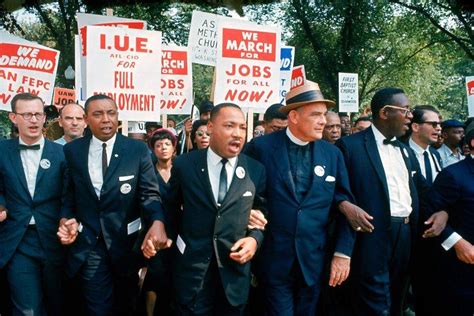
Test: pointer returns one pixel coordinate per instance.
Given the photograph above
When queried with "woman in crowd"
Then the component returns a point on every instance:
(199, 135)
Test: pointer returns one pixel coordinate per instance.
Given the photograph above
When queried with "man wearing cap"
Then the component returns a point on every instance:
(305, 177)
(450, 151)
(386, 181)
(453, 190)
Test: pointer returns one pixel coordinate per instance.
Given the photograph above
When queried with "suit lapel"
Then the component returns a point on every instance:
(374, 158)
(18, 165)
(282, 163)
(203, 175)
(83, 162)
(115, 159)
(318, 159)
(435, 159)
(237, 182)
(47, 154)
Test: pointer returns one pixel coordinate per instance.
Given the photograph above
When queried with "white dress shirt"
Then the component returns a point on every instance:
(94, 162)
(214, 167)
(61, 141)
(448, 157)
(396, 175)
(419, 152)
(30, 159)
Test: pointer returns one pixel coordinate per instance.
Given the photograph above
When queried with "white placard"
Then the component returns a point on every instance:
(470, 95)
(287, 58)
(25, 67)
(125, 64)
(348, 92)
(176, 81)
(248, 65)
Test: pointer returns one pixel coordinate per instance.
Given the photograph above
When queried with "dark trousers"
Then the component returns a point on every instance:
(35, 284)
(292, 297)
(106, 291)
(211, 299)
(384, 294)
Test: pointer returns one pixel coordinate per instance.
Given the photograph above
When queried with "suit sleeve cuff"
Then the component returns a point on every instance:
(341, 255)
(257, 235)
(450, 241)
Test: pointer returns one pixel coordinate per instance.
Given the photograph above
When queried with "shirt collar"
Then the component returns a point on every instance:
(215, 159)
(417, 148)
(95, 142)
(294, 139)
(39, 142)
(379, 137)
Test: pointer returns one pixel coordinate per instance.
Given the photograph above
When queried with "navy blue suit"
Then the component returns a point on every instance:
(453, 190)
(105, 248)
(296, 232)
(373, 251)
(20, 243)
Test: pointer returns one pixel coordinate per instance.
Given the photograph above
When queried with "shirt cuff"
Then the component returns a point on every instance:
(341, 255)
(451, 240)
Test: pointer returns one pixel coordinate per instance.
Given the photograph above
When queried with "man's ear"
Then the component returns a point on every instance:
(293, 116)
(383, 113)
(12, 117)
(415, 127)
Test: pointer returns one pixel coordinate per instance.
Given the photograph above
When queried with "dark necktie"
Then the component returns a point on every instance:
(222, 183)
(391, 142)
(26, 147)
(104, 159)
(429, 174)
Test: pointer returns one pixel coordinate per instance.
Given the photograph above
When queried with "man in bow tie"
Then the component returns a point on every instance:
(387, 183)
(32, 181)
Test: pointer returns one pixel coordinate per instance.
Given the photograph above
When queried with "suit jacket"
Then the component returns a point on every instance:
(369, 186)
(453, 190)
(45, 205)
(130, 168)
(437, 158)
(209, 231)
(297, 230)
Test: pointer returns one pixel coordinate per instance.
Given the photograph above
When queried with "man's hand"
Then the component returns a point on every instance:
(340, 268)
(3, 213)
(438, 222)
(464, 251)
(243, 250)
(188, 126)
(357, 217)
(67, 231)
(257, 220)
(155, 239)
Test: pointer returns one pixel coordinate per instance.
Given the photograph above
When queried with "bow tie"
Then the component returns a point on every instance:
(26, 147)
(390, 142)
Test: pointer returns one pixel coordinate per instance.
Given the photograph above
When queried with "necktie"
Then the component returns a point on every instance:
(222, 183)
(26, 147)
(428, 172)
(104, 159)
(391, 142)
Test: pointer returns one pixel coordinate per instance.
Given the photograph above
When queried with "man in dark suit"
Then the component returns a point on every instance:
(32, 179)
(216, 188)
(386, 181)
(453, 190)
(305, 178)
(112, 192)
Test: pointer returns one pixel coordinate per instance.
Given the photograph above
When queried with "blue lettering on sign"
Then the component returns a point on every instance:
(286, 56)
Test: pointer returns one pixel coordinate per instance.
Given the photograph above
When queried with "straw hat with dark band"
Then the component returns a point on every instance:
(306, 94)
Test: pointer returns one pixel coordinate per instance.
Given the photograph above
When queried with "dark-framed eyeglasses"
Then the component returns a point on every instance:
(404, 111)
(201, 133)
(28, 115)
(433, 124)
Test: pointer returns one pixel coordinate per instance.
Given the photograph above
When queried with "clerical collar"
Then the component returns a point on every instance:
(294, 139)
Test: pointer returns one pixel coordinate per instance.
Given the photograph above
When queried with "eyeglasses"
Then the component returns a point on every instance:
(404, 111)
(201, 133)
(28, 116)
(434, 124)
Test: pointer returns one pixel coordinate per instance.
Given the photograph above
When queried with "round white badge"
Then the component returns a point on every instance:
(125, 188)
(45, 163)
(319, 171)
(240, 172)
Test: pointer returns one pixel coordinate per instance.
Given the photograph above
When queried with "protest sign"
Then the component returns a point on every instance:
(348, 92)
(287, 59)
(248, 64)
(176, 81)
(298, 76)
(125, 64)
(470, 95)
(136, 127)
(63, 96)
(85, 19)
(25, 67)
(202, 40)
